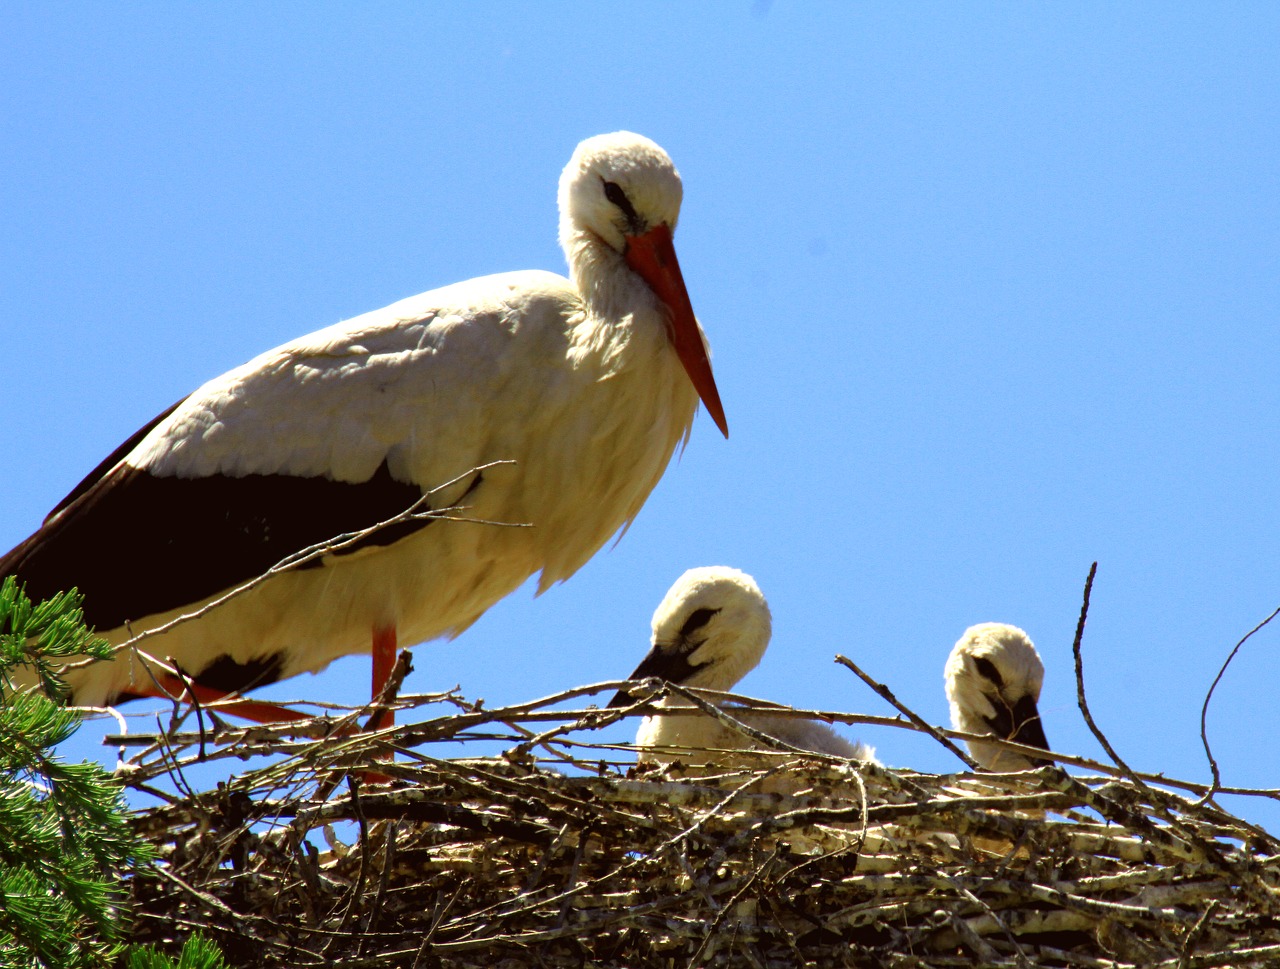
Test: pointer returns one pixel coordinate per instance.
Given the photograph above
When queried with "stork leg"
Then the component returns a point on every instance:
(384, 661)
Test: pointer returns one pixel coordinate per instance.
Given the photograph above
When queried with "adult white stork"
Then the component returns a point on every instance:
(993, 678)
(586, 385)
(709, 631)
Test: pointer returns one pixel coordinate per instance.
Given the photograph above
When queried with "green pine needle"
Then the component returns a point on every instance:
(65, 839)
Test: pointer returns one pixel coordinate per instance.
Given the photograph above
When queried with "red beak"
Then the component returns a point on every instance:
(653, 257)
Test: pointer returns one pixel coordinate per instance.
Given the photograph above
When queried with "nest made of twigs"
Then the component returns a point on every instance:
(559, 854)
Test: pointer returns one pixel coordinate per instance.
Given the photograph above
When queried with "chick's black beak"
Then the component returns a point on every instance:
(665, 663)
(1021, 724)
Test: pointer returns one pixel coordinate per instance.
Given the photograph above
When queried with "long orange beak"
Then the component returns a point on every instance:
(654, 257)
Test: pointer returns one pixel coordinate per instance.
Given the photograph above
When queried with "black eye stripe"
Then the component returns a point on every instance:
(697, 619)
(614, 193)
(988, 670)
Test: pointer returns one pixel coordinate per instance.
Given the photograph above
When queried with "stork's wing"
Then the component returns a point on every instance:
(136, 544)
(329, 434)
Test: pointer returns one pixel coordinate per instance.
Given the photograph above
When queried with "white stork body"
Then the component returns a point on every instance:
(709, 631)
(993, 678)
(588, 386)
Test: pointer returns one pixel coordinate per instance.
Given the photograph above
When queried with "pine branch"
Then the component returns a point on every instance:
(65, 838)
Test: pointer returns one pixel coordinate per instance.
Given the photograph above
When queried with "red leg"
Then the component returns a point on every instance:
(384, 661)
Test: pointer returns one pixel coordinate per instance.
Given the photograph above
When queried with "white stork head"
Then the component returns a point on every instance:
(619, 203)
(708, 632)
(645, 192)
(993, 679)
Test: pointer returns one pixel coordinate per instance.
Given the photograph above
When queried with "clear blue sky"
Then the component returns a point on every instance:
(992, 291)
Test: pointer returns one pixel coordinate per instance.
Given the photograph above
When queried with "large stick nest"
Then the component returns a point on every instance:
(561, 853)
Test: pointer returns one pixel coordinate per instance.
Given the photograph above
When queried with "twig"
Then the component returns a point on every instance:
(1204, 710)
(1081, 700)
(386, 698)
(357, 890)
(1083, 703)
(388, 861)
(885, 692)
(196, 706)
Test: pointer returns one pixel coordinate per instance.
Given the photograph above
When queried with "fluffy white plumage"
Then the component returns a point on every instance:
(993, 678)
(588, 385)
(709, 631)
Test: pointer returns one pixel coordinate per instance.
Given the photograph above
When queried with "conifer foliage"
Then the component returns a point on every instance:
(65, 840)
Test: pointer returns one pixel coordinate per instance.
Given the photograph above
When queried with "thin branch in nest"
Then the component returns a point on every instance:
(1204, 709)
(357, 890)
(173, 768)
(1129, 772)
(388, 862)
(194, 700)
(730, 906)
(440, 908)
(1228, 956)
(915, 718)
(386, 697)
(1081, 701)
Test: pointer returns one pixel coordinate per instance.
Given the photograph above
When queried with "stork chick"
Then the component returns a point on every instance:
(993, 679)
(709, 631)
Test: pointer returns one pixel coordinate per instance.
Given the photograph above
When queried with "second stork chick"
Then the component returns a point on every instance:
(993, 679)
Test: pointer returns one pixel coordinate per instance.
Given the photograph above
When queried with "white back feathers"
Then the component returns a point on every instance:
(993, 678)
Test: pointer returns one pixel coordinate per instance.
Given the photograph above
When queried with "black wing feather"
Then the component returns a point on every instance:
(136, 544)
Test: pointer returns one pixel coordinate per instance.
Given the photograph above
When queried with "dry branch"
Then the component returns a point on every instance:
(1208, 697)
